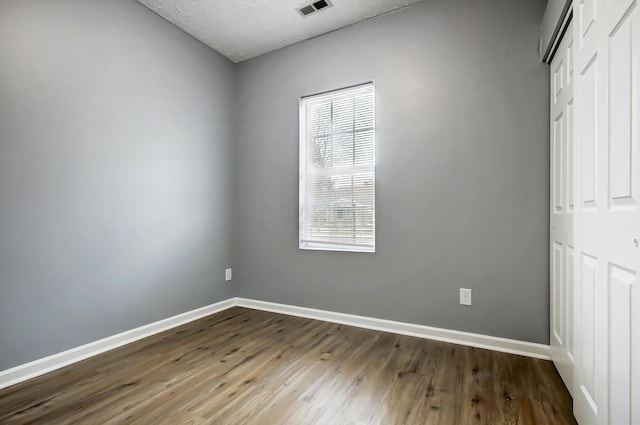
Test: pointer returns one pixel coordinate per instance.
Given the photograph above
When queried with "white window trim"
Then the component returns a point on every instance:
(317, 246)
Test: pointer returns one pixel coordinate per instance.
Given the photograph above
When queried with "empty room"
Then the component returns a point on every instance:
(320, 212)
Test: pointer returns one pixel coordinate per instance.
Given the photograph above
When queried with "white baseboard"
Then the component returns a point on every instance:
(47, 364)
(505, 345)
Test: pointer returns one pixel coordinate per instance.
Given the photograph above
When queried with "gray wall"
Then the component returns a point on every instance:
(462, 170)
(116, 133)
(121, 165)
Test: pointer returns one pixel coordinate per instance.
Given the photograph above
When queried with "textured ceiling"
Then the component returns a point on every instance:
(243, 29)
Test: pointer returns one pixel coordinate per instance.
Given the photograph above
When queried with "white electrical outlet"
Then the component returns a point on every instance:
(465, 296)
(227, 275)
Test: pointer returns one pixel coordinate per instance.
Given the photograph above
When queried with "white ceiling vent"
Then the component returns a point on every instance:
(314, 7)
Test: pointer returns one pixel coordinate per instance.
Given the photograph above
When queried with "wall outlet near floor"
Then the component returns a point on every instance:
(227, 275)
(465, 296)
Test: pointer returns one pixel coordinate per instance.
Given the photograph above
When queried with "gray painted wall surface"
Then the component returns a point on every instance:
(116, 134)
(462, 170)
(119, 175)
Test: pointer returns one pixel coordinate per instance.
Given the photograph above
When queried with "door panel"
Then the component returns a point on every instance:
(569, 262)
(562, 204)
(557, 288)
(558, 164)
(621, 284)
(589, 94)
(620, 98)
(569, 156)
(606, 217)
(587, 16)
(588, 358)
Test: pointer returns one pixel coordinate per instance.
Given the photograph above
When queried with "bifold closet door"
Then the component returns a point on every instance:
(562, 206)
(607, 214)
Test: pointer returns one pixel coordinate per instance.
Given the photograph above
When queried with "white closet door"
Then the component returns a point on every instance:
(562, 206)
(606, 216)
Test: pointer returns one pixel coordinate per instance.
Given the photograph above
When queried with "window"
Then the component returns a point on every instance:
(337, 170)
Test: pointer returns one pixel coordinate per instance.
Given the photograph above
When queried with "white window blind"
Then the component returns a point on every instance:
(337, 170)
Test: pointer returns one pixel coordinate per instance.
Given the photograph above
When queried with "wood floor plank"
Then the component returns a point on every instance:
(244, 366)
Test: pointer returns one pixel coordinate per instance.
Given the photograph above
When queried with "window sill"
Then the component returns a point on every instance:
(339, 248)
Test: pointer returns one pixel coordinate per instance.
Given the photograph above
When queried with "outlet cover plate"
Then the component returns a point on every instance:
(227, 275)
(465, 296)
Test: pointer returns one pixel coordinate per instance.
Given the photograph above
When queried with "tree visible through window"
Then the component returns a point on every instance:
(337, 170)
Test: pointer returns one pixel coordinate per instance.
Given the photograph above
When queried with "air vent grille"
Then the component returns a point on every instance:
(314, 7)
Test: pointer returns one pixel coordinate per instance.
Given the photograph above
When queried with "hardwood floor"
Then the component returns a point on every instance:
(244, 366)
